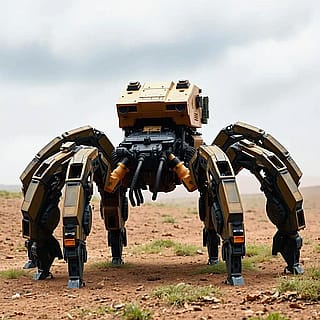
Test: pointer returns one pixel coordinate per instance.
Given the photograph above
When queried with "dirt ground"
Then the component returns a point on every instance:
(107, 286)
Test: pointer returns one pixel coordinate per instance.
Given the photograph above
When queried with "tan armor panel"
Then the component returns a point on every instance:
(160, 100)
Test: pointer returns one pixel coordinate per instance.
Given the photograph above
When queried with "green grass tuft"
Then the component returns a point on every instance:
(168, 219)
(218, 268)
(313, 273)
(82, 312)
(307, 286)
(181, 249)
(248, 265)
(12, 273)
(181, 293)
(132, 311)
(128, 311)
(258, 253)
(157, 246)
(317, 248)
(108, 264)
(270, 316)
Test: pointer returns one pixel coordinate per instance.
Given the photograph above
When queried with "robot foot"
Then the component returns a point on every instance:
(235, 280)
(213, 260)
(116, 261)
(75, 283)
(29, 264)
(76, 257)
(295, 269)
(117, 239)
(232, 254)
(289, 246)
(42, 274)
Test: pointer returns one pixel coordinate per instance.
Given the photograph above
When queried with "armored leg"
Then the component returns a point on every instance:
(210, 238)
(117, 239)
(76, 257)
(220, 209)
(77, 213)
(43, 247)
(212, 241)
(74, 160)
(251, 148)
(114, 208)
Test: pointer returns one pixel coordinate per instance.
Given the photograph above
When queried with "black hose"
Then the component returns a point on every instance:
(136, 193)
(158, 177)
(134, 182)
(140, 195)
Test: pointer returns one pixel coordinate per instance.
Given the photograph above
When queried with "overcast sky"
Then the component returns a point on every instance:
(64, 63)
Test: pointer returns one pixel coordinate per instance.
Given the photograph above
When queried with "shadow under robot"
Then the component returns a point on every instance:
(161, 149)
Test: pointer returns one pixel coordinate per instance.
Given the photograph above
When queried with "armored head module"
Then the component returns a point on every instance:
(162, 103)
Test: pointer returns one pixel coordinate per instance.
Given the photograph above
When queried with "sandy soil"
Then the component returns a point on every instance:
(107, 286)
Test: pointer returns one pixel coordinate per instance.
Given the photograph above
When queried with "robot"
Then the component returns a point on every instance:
(160, 150)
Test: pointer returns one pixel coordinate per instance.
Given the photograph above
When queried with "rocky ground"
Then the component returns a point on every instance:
(109, 291)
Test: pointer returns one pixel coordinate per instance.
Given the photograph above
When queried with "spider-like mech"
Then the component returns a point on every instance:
(160, 150)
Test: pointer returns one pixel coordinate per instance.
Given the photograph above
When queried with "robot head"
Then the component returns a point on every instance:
(180, 103)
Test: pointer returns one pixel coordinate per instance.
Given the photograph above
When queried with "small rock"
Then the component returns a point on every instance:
(248, 313)
(139, 288)
(211, 299)
(260, 313)
(99, 285)
(16, 296)
(196, 308)
(252, 297)
(119, 305)
(296, 305)
(29, 294)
